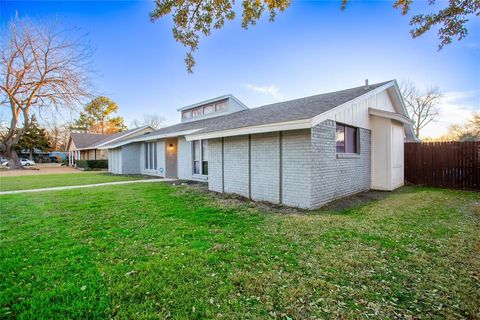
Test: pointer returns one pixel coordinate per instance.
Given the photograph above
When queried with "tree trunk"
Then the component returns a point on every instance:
(31, 154)
(13, 161)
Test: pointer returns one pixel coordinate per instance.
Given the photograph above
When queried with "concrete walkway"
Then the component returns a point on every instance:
(86, 186)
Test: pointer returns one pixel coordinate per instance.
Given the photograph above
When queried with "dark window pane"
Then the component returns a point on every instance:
(205, 167)
(196, 167)
(351, 137)
(340, 138)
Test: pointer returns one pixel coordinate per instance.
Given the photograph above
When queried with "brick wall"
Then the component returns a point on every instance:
(235, 156)
(335, 176)
(311, 174)
(215, 165)
(265, 166)
(296, 173)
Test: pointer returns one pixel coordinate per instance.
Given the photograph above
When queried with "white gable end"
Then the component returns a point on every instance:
(356, 112)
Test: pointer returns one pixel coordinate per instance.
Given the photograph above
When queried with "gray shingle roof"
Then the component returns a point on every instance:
(298, 109)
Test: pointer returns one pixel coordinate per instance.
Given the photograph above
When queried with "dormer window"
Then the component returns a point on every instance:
(197, 112)
(186, 114)
(221, 106)
(209, 109)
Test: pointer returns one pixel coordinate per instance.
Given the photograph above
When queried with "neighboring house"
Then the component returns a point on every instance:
(85, 146)
(303, 153)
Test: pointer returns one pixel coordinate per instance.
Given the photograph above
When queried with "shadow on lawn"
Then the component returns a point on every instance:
(339, 206)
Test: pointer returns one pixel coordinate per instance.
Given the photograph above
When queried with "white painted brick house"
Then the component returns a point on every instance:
(303, 153)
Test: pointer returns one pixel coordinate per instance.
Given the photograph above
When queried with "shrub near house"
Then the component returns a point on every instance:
(92, 164)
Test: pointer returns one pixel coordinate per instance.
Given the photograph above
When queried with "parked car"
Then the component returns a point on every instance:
(4, 162)
(26, 162)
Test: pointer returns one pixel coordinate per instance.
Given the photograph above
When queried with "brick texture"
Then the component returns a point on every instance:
(265, 166)
(235, 155)
(337, 176)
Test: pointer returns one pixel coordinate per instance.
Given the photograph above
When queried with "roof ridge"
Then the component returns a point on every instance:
(379, 84)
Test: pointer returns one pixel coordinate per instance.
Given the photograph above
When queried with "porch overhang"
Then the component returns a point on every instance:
(390, 115)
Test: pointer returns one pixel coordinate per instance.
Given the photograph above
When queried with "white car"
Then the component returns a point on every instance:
(26, 162)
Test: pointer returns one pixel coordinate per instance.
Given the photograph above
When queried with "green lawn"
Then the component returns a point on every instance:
(155, 251)
(60, 180)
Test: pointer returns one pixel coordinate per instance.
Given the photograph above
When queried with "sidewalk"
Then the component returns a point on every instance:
(85, 186)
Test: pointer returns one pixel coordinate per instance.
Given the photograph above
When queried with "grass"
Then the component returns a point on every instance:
(60, 180)
(159, 251)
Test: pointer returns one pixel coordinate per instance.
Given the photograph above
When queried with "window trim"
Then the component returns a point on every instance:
(357, 139)
(200, 160)
(151, 155)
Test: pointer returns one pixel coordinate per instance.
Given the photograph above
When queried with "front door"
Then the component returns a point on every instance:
(171, 151)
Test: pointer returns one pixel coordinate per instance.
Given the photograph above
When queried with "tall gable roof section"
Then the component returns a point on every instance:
(298, 109)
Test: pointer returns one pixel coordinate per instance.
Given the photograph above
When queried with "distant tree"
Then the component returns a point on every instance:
(194, 18)
(42, 68)
(422, 105)
(153, 120)
(97, 117)
(470, 131)
(34, 137)
(58, 134)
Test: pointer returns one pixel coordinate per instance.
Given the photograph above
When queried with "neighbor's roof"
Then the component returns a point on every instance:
(84, 140)
(92, 141)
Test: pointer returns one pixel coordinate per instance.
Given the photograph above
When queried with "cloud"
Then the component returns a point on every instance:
(271, 90)
(473, 45)
(456, 108)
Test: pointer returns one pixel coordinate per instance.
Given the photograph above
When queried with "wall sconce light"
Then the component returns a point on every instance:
(171, 147)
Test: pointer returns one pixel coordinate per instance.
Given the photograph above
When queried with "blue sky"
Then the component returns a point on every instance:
(311, 48)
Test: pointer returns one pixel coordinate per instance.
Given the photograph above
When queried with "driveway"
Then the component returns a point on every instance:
(41, 168)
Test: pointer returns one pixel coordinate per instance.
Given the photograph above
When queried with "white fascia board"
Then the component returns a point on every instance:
(390, 115)
(271, 127)
(329, 114)
(149, 138)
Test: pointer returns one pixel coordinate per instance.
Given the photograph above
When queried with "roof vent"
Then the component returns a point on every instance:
(366, 84)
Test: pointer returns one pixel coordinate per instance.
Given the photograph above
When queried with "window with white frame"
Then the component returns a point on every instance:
(200, 157)
(151, 155)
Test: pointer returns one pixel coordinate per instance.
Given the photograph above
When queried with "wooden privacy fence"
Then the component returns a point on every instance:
(443, 164)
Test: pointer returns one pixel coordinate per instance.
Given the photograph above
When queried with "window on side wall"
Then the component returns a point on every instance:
(200, 157)
(346, 139)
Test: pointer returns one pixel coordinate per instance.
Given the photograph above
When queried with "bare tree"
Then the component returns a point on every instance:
(152, 119)
(422, 105)
(58, 134)
(40, 68)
